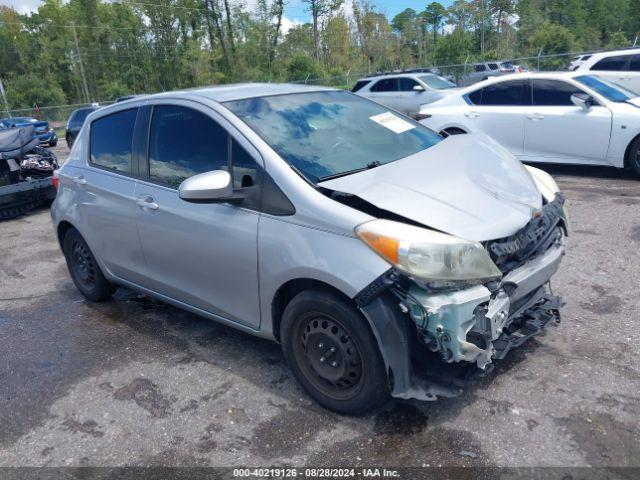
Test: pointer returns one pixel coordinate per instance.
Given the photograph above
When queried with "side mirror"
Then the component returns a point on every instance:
(418, 88)
(582, 100)
(208, 187)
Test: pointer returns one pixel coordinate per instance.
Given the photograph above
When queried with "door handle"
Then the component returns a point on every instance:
(147, 202)
(535, 117)
(472, 114)
(80, 180)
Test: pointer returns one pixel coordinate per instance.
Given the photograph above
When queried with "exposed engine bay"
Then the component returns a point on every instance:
(26, 171)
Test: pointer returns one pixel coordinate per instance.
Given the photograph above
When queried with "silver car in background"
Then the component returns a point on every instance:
(359, 239)
(404, 92)
(481, 71)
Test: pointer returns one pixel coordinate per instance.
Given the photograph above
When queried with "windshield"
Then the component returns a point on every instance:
(323, 134)
(434, 81)
(610, 91)
(506, 65)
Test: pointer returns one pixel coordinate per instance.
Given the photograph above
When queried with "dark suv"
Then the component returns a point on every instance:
(75, 122)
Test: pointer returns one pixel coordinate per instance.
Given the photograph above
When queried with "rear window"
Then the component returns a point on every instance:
(360, 85)
(111, 140)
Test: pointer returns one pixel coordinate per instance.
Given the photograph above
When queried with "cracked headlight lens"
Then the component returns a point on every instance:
(427, 254)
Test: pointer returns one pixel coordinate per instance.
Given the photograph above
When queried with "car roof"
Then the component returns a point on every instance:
(239, 91)
(397, 75)
(612, 53)
(21, 119)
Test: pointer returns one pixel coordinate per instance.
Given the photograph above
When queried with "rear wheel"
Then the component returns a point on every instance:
(84, 269)
(634, 157)
(333, 353)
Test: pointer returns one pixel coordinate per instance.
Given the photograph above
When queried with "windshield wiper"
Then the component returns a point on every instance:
(369, 166)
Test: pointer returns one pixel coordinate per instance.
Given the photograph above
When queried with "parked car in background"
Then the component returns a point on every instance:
(578, 60)
(481, 71)
(43, 131)
(75, 122)
(620, 66)
(352, 235)
(547, 117)
(26, 172)
(404, 92)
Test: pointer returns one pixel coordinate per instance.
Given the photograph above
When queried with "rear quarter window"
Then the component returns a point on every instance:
(111, 140)
(360, 85)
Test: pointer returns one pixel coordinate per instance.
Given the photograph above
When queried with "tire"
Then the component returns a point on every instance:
(352, 378)
(84, 269)
(634, 157)
(53, 144)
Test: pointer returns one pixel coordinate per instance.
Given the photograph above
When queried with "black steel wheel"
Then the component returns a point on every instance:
(333, 353)
(328, 356)
(84, 269)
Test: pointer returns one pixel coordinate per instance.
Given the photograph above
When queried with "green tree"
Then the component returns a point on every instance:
(434, 15)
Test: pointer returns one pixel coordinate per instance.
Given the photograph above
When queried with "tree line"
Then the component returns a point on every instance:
(89, 50)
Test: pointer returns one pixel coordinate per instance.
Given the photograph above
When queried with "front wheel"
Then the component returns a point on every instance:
(84, 269)
(333, 353)
(634, 157)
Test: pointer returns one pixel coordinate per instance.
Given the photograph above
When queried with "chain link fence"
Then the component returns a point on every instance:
(58, 115)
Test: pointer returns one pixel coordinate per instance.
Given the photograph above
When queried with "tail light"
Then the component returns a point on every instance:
(55, 179)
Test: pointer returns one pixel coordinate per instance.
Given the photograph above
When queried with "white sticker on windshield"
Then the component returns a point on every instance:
(392, 122)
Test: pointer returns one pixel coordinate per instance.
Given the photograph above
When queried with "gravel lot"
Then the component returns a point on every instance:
(137, 382)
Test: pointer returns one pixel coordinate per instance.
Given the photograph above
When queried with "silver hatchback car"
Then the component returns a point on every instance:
(363, 242)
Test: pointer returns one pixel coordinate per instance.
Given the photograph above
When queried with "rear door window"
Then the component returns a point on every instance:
(504, 94)
(184, 142)
(614, 63)
(553, 93)
(111, 140)
(501, 94)
(479, 68)
(386, 85)
(634, 65)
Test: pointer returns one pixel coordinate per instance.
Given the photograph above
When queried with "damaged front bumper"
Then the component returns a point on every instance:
(473, 325)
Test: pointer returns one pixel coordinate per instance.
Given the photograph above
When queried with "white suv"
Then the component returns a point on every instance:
(404, 92)
(620, 66)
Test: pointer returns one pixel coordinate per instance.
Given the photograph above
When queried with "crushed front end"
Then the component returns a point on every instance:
(478, 323)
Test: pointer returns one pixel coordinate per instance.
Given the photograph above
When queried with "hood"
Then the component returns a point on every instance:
(467, 185)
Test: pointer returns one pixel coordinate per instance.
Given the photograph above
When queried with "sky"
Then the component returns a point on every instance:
(295, 10)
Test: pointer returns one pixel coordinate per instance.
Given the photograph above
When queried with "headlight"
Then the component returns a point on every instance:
(545, 183)
(427, 254)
